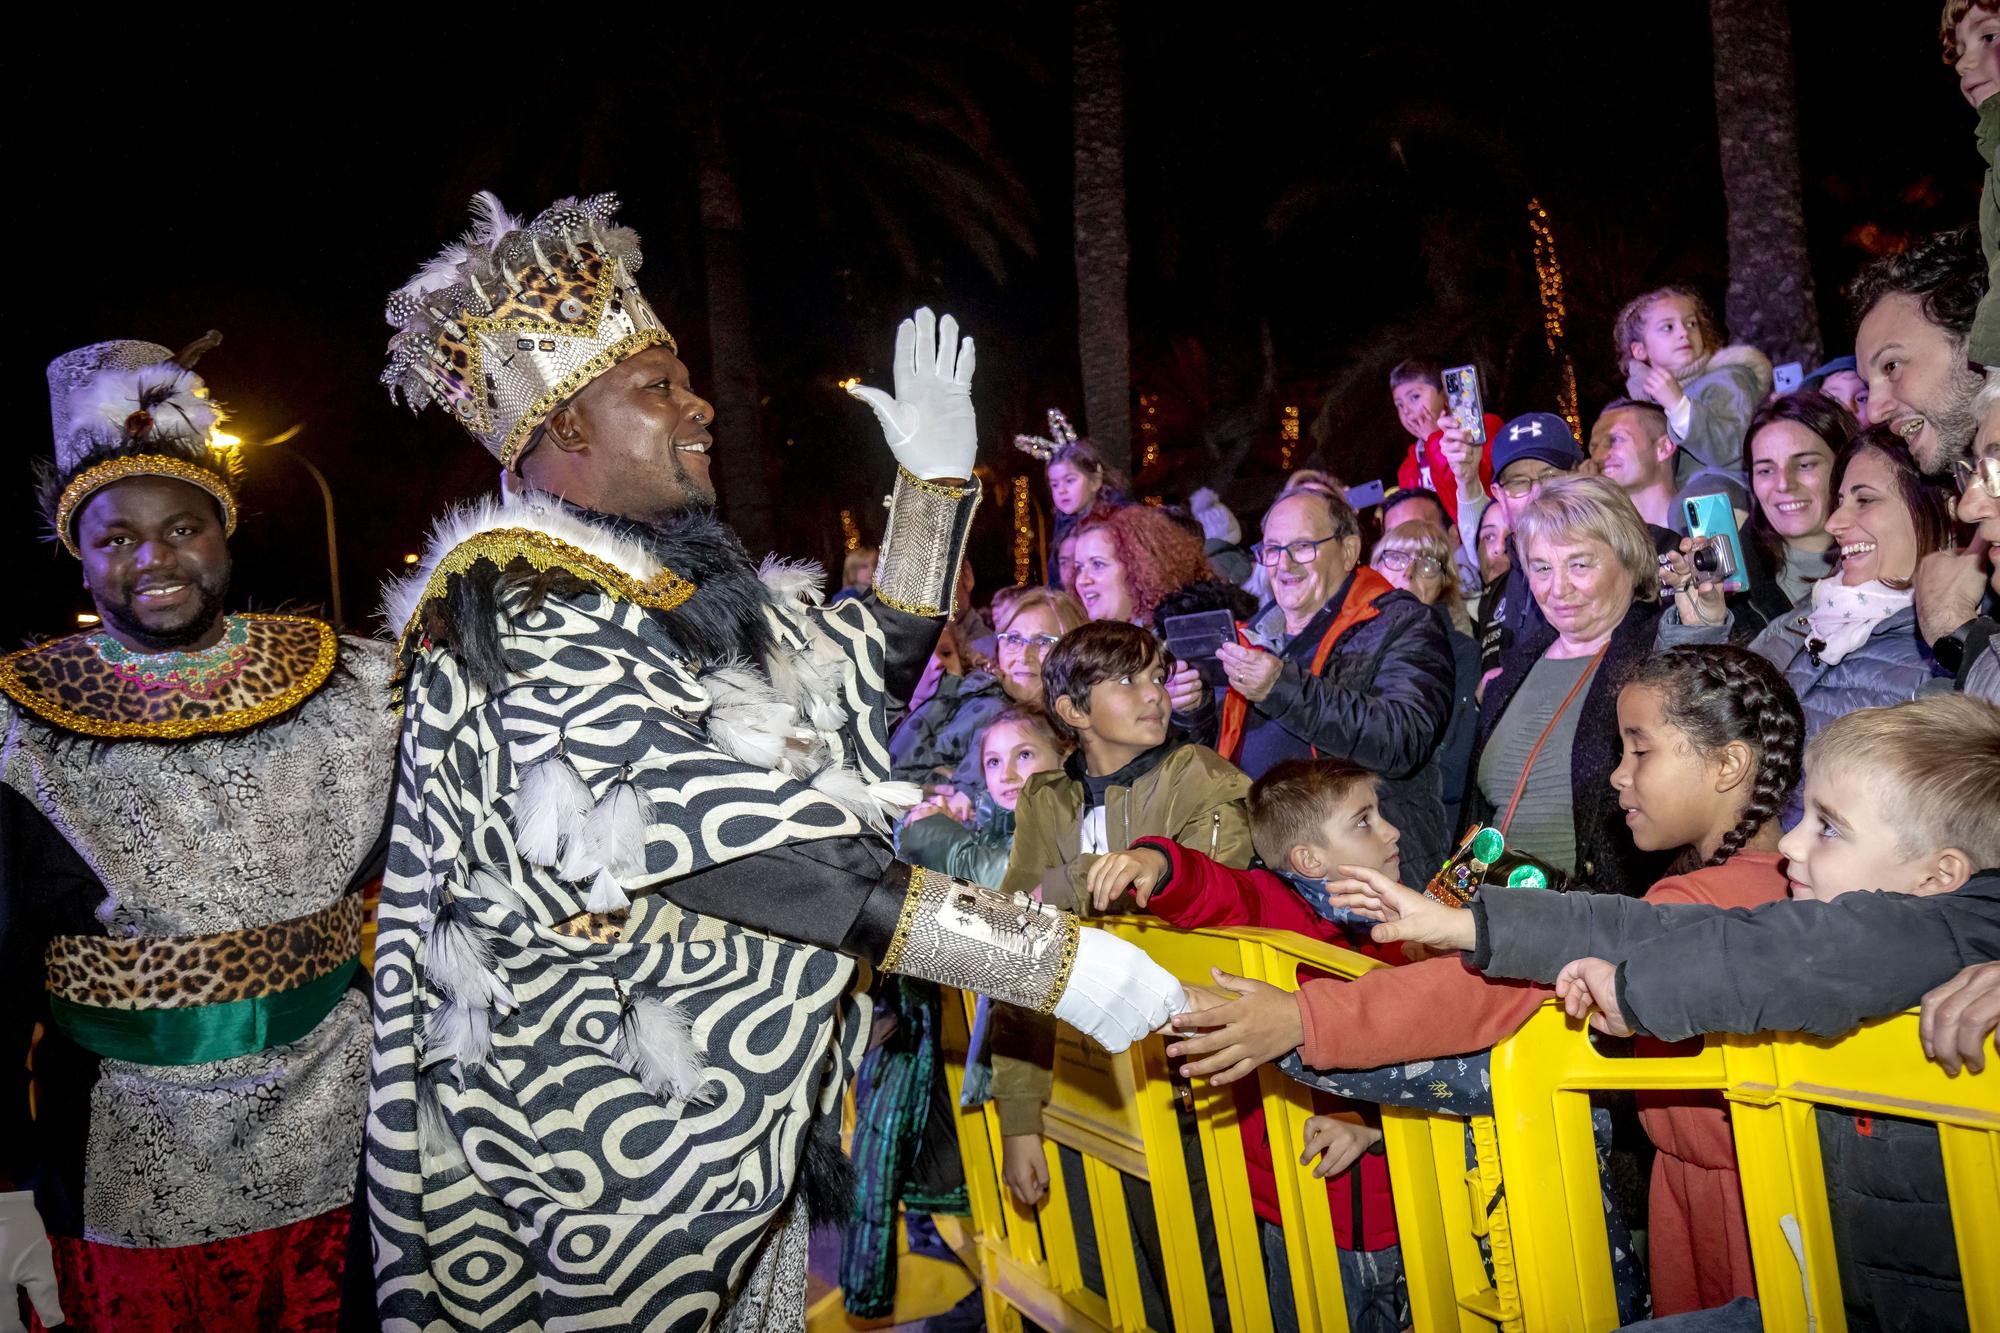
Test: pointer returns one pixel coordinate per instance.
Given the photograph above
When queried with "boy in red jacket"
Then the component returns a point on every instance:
(1416, 388)
(1306, 818)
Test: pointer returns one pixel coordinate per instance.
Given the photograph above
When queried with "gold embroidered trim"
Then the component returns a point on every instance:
(913, 895)
(503, 546)
(93, 479)
(539, 410)
(24, 693)
(1072, 935)
(909, 608)
(937, 488)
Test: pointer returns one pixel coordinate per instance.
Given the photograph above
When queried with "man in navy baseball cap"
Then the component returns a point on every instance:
(1527, 451)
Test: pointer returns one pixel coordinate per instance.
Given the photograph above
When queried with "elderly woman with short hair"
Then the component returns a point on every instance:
(1548, 726)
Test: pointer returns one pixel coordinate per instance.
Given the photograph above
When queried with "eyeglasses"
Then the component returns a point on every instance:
(1416, 563)
(1020, 643)
(1983, 471)
(1302, 552)
(1516, 487)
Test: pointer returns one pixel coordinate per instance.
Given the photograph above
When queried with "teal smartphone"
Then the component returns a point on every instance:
(1718, 549)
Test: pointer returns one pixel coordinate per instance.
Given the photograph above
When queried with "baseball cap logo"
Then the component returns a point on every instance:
(1533, 429)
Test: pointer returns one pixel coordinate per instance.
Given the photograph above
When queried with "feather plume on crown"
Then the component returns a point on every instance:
(511, 319)
(1042, 450)
(129, 408)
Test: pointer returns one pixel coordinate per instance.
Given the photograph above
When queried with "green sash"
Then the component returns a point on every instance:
(197, 1034)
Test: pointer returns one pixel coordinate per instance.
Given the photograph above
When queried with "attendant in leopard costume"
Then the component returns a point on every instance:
(639, 841)
(189, 803)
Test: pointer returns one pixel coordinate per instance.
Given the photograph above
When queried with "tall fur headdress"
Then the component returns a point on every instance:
(125, 409)
(515, 317)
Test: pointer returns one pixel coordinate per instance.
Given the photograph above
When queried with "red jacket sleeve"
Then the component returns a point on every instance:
(1416, 1012)
(1203, 892)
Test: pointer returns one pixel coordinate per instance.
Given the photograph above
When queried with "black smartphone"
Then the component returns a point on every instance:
(1194, 637)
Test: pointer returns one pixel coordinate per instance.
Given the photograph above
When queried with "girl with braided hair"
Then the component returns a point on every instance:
(1712, 738)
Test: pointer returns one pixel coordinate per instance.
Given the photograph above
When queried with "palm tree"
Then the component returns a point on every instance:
(1103, 254)
(814, 122)
(1771, 300)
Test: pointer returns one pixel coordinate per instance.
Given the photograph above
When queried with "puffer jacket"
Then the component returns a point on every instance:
(1723, 393)
(977, 851)
(1985, 345)
(1606, 860)
(1383, 700)
(933, 743)
(1892, 666)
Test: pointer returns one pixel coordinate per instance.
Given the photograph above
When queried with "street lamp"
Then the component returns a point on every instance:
(223, 440)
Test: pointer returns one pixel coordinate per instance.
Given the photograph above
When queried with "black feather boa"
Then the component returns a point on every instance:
(723, 620)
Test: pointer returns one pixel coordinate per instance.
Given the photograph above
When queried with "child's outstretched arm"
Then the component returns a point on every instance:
(1818, 967)
(1533, 933)
(1407, 916)
(1257, 1027)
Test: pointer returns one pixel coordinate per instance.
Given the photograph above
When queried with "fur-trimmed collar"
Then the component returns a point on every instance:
(1735, 355)
(537, 512)
(692, 573)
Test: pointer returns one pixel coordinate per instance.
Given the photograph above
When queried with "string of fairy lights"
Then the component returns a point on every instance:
(850, 534)
(1024, 528)
(1549, 278)
(1288, 437)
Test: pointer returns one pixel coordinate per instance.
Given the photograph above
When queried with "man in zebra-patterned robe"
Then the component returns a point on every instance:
(638, 840)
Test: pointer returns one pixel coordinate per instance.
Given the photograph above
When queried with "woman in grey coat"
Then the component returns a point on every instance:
(1852, 641)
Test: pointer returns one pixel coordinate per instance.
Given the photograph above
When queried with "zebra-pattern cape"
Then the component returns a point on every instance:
(588, 1106)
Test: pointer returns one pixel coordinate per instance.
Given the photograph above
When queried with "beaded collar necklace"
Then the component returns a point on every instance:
(197, 675)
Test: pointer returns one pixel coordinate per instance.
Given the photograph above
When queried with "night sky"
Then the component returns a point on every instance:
(1354, 182)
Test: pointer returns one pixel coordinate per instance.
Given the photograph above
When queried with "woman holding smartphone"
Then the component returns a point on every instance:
(1851, 642)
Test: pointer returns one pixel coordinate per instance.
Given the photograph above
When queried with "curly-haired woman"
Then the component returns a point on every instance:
(1130, 559)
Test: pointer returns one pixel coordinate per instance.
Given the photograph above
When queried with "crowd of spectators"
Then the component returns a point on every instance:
(1547, 637)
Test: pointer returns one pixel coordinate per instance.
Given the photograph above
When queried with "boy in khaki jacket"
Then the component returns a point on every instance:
(1128, 778)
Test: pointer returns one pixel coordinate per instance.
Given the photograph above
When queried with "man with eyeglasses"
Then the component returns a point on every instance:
(1952, 583)
(1341, 665)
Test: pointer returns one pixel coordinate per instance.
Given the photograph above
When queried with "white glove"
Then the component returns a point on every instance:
(27, 1261)
(1217, 523)
(1116, 994)
(929, 422)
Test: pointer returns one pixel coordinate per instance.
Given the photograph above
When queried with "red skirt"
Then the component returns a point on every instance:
(287, 1278)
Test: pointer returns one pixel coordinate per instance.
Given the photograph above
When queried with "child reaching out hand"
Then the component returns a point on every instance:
(1712, 739)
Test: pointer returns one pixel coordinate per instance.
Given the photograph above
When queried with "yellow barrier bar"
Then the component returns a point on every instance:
(1542, 1215)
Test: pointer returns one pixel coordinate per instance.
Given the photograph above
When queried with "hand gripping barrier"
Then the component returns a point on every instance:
(1523, 1250)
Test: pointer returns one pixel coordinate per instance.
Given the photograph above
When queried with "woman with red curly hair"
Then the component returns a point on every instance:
(1130, 559)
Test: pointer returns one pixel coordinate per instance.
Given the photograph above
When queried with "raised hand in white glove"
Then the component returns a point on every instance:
(1116, 994)
(929, 422)
(27, 1261)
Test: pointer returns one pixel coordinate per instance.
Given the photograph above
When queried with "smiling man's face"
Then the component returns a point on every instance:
(1919, 382)
(633, 442)
(156, 561)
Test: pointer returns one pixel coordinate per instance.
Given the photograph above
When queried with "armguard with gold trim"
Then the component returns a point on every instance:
(973, 938)
(929, 523)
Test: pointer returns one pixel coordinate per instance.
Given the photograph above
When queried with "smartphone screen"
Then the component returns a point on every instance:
(1711, 516)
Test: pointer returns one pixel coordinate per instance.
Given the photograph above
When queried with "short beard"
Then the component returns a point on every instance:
(1954, 425)
(121, 616)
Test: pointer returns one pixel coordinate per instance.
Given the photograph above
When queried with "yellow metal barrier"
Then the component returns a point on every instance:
(1549, 1264)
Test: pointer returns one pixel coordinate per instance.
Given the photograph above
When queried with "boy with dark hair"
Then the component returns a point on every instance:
(1416, 388)
(1104, 685)
(1307, 817)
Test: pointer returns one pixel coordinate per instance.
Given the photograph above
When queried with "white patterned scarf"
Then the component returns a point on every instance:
(1844, 615)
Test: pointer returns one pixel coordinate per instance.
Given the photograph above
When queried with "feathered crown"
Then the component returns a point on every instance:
(1042, 450)
(126, 409)
(514, 318)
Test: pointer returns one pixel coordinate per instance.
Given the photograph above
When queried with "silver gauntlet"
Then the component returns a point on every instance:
(978, 939)
(928, 526)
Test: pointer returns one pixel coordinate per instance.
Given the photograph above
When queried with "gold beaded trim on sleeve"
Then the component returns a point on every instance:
(912, 902)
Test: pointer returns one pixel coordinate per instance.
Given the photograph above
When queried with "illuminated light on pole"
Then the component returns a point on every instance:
(1024, 530)
(1549, 279)
(1288, 436)
(850, 383)
(87, 618)
(850, 536)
